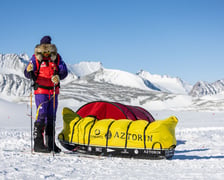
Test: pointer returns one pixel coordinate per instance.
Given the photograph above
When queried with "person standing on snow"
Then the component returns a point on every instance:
(46, 68)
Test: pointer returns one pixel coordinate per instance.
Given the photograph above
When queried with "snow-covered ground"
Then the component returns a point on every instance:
(199, 153)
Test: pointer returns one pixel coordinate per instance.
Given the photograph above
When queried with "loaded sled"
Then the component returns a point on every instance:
(113, 129)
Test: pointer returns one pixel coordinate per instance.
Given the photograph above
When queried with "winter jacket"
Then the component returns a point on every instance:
(45, 68)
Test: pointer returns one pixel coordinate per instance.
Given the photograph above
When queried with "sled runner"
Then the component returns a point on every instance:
(137, 138)
(120, 152)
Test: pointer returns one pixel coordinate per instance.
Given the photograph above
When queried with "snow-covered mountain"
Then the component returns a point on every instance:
(12, 67)
(85, 68)
(13, 63)
(13, 84)
(203, 88)
(167, 83)
(123, 78)
(89, 81)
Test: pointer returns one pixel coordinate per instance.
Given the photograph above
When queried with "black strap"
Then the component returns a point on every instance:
(131, 112)
(74, 128)
(160, 145)
(144, 134)
(94, 121)
(108, 134)
(38, 70)
(32, 76)
(126, 139)
(36, 86)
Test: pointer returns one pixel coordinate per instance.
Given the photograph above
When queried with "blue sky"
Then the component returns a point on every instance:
(180, 38)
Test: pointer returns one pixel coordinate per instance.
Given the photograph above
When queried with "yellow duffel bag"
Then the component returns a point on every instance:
(122, 133)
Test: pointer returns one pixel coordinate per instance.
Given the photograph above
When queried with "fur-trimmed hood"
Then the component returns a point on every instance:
(41, 48)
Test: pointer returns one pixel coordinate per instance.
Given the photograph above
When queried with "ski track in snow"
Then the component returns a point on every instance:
(199, 155)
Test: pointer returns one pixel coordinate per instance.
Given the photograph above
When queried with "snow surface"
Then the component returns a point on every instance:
(199, 153)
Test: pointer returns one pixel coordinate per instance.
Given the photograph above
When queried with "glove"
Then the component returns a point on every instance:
(55, 79)
(29, 67)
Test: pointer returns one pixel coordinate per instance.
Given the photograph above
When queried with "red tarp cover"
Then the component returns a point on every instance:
(114, 110)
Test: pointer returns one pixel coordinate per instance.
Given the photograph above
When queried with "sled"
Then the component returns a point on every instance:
(118, 138)
(120, 152)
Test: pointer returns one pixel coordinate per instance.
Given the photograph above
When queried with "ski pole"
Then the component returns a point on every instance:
(31, 115)
(54, 115)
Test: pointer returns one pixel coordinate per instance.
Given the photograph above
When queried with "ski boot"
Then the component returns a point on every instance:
(50, 139)
(39, 138)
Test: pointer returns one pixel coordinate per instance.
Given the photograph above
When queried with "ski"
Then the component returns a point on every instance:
(85, 155)
(64, 153)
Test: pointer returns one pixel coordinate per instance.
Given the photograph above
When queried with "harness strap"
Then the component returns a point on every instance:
(36, 86)
(34, 77)
(39, 63)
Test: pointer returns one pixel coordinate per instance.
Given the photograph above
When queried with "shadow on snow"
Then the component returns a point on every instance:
(192, 157)
(181, 154)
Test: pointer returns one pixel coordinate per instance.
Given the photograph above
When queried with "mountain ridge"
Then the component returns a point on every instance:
(89, 81)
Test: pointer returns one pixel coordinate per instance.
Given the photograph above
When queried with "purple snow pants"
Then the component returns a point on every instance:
(45, 101)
